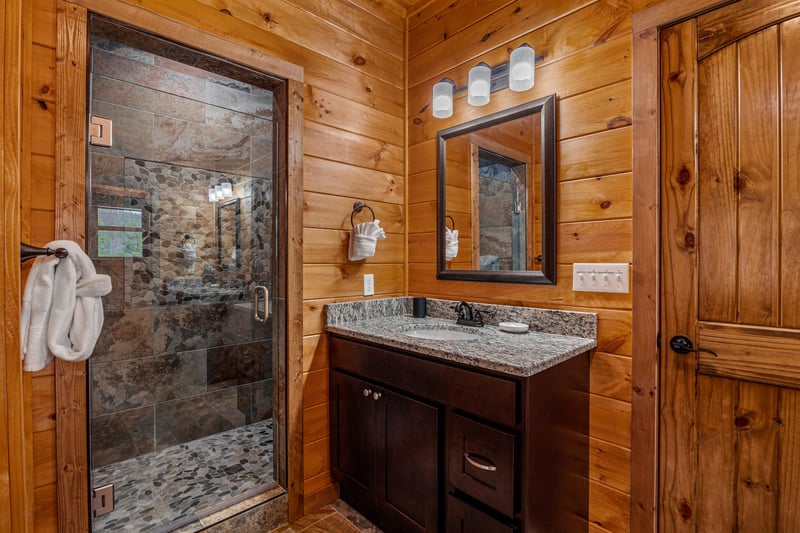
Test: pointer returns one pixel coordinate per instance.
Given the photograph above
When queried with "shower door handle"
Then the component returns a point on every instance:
(260, 289)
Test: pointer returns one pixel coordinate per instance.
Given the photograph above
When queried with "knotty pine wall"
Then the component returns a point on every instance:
(353, 55)
(586, 51)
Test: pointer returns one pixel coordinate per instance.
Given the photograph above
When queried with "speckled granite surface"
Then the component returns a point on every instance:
(555, 336)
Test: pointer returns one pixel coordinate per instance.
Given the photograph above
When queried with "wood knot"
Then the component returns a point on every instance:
(637, 389)
(226, 12)
(684, 176)
(417, 121)
(779, 421)
(45, 89)
(267, 17)
(741, 422)
(358, 60)
(605, 204)
(486, 36)
(689, 240)
(517, 10)
(677, 76)
(42, 104)
(444, 36)
(685, 510)
(618, 122)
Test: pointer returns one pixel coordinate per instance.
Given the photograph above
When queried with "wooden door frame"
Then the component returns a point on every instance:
(16, 442)
(645, 413)
(71, 384)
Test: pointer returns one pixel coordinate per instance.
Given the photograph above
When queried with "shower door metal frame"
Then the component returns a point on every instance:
(71, 148)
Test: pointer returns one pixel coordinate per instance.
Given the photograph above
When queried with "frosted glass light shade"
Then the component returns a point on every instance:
(212, 195)
(443, 99)
(521, 68)
(480, 84)
(227, 190)
(218, 191)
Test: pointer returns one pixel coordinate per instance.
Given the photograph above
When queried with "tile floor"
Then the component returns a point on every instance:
(175, 487)
(337, 517)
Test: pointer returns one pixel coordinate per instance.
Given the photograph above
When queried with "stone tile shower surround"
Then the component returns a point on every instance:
(178, 361)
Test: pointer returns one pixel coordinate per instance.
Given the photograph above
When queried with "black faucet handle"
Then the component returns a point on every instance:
(477, 316)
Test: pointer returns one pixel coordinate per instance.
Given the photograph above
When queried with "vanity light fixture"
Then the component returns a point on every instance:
(516, 74)
(521, 68)
(218, 191)
(212, 194)
(443, 98)
(480, 84)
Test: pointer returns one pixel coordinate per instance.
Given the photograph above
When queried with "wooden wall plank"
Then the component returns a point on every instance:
(315, 34)
(605, 504)
(790, 187)
(596, 198)
(326, 176)
(716, 443)
(789, 483)
(609, 464)
(758, 457)
(758, 188)
(338, 145)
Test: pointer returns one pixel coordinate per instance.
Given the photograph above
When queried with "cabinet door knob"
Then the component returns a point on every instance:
(473, 460)
(367, 392)
(376, 395)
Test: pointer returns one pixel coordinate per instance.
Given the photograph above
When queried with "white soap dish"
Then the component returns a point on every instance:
(513, 327)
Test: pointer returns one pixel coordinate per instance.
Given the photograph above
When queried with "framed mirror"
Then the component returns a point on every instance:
(228, 234)
(497, 196)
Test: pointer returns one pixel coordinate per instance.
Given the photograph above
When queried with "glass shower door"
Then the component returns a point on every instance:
(180, 215)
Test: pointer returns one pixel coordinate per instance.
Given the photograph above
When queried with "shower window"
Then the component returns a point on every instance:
(119, 232)
(183, 414)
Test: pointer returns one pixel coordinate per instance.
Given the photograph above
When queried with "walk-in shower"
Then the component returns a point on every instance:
(181, 213)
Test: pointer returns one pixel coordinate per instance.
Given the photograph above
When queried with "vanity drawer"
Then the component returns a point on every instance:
(480, 462)
(486, 396)
(463, 518)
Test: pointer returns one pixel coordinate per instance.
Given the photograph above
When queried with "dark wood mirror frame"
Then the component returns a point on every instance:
(547, 275)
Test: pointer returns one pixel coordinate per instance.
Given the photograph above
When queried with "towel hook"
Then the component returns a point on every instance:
(26, 251)
(357, 207)
(451, 220)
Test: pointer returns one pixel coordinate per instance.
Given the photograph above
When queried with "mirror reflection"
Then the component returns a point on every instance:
(497, 196)
(228, 235)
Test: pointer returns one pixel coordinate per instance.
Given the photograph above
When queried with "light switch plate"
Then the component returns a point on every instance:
(369, 284)
(601, 277)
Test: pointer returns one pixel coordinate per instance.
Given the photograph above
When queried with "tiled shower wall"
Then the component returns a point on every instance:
(180, 356)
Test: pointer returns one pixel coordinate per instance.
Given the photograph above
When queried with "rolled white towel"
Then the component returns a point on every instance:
(450, 244)
(363, 240)
(76, 314)
(62, 313)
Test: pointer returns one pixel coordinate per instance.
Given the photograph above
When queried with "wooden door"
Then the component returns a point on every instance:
(730, 170)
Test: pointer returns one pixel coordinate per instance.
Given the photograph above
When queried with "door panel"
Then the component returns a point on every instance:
(729, 455)
(353, 422)
(408, 459)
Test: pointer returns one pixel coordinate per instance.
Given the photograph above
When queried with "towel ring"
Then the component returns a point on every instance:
(357, 207)
(451, 220)
(187, 238)
(26, 251)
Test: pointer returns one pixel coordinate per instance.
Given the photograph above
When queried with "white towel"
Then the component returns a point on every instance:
(450, 244)
(62, 313)
(363, 240)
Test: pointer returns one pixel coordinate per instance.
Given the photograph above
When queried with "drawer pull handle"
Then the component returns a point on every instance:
(367, 392)
(376, 395)
(488, 466)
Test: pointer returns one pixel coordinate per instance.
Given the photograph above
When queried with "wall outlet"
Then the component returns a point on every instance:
(601, 277)
(369, 284)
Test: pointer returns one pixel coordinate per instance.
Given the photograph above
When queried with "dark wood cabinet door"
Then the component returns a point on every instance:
(353, 436)
(407, 459)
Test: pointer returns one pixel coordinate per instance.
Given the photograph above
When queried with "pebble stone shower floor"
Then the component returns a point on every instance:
(175, 487)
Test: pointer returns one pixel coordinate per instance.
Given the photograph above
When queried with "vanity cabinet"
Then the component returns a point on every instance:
(423, 444)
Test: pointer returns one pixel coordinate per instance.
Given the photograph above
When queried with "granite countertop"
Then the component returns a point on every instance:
(517, 354)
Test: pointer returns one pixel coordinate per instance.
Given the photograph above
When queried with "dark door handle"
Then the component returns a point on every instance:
(681, 344)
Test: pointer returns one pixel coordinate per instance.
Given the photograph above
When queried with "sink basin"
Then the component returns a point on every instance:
(442, 335)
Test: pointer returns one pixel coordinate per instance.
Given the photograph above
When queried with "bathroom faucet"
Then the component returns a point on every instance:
(466, 316)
